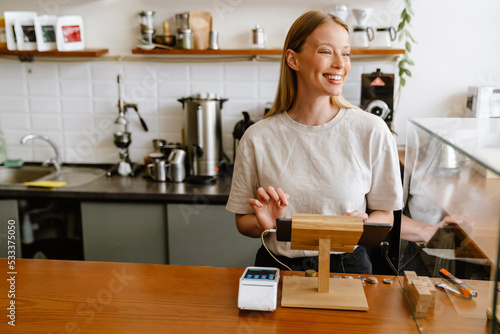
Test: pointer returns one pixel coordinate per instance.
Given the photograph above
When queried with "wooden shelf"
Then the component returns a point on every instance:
(177, 52)
(228, 52)
(254, 52)
(377, 51)
(55, 53)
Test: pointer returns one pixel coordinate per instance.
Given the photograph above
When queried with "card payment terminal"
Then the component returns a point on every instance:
(258, 289)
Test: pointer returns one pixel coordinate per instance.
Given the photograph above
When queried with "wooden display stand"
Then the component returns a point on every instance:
(325, 234)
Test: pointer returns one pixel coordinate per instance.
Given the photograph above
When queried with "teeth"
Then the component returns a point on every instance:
(334, 77)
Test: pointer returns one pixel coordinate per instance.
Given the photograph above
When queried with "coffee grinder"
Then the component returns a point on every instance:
(123, 138)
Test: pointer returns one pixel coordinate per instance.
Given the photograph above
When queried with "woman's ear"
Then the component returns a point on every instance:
(291, 59)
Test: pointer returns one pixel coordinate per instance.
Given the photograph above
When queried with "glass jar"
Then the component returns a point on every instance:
(147, 25)
(182, 21)
(146, 21)
(184, 39)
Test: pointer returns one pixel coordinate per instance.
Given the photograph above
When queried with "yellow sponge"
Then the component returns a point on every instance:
(46, 184)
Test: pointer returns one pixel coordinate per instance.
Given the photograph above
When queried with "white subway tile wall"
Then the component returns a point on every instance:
(75, 103)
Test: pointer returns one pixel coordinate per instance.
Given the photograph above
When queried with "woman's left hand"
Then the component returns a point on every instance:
(357, 213)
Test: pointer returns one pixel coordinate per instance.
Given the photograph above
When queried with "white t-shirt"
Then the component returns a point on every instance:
(350, 163)
(422, 163)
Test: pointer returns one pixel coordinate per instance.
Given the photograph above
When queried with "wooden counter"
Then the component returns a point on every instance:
(101, 297)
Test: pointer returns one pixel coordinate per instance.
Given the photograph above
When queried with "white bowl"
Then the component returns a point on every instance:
(146, 46)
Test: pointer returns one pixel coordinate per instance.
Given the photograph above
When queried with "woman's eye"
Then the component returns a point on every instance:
(325, 52)
(346, 54)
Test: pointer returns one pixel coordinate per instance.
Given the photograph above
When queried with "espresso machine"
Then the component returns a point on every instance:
(203, 137)
(377, 95)
(122, 137)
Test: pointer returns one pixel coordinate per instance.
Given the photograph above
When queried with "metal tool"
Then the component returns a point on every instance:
(450, 288)
(463, 288)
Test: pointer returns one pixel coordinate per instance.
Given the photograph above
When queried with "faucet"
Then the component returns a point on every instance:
(56, 161)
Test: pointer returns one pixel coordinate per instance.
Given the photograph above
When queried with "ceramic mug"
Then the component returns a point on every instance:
(362, 36)
(384, 37)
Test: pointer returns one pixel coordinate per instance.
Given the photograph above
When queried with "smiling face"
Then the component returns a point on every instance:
(323, 62)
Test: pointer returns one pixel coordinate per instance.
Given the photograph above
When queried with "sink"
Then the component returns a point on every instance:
(23, 174)
(73, 176)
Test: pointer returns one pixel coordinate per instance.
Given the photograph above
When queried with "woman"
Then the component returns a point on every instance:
(314, 152)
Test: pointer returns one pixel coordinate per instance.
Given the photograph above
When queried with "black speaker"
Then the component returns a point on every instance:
(377, 95)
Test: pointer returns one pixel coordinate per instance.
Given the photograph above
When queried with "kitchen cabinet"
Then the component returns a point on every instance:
(9, 216)
(124, 232)
(182, 234)
(136, 220)
(206, 235)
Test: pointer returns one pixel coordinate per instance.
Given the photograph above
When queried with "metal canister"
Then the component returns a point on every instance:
(213, 43)
(258, 38)
(184, 39)
(177, 167)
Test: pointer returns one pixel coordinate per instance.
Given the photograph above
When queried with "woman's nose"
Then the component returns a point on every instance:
(338, 61)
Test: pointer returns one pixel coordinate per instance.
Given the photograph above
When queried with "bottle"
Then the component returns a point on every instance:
(3, 154)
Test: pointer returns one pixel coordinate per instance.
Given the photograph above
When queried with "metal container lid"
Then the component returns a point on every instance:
(258, 28)
(204, 96)
(147, 13)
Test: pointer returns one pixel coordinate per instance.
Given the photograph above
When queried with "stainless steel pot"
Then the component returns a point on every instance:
(203, 133)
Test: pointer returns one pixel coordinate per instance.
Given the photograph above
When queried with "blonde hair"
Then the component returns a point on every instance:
(295, 39)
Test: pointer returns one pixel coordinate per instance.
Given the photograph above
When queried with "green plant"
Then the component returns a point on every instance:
(405, 35)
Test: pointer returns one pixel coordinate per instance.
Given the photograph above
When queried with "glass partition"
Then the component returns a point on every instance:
(451, 222)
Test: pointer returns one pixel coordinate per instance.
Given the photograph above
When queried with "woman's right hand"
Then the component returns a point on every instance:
(464, 222)
(270, 204)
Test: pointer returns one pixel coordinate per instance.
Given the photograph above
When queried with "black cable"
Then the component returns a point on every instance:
(385, 247)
